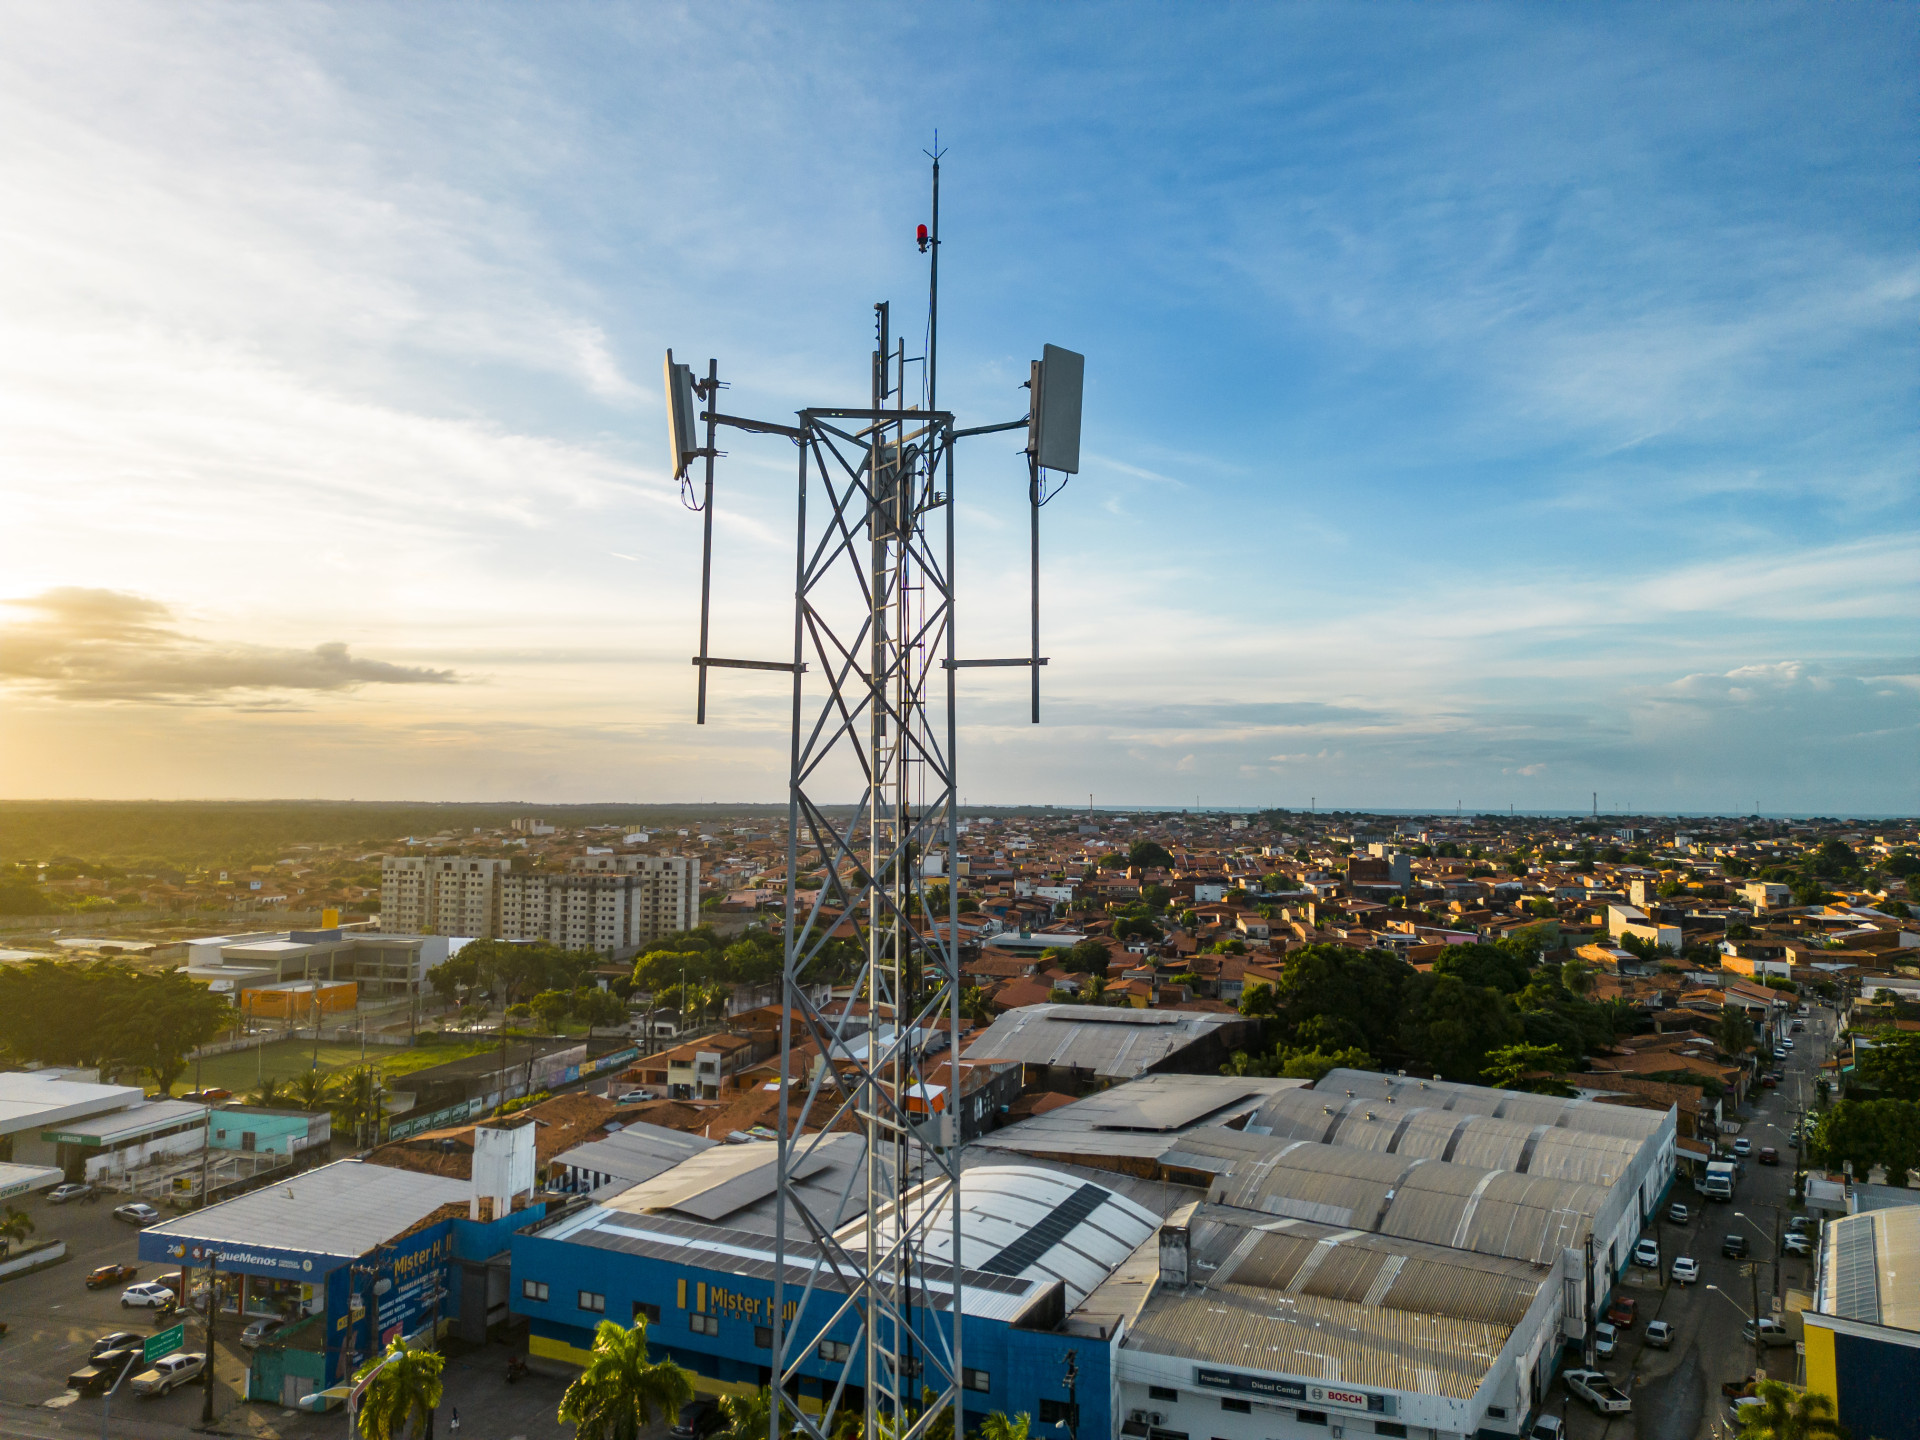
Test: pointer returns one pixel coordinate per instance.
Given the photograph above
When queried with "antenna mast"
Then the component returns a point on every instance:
(870, 1090)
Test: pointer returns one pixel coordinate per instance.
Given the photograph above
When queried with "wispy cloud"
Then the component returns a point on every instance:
(102, 645)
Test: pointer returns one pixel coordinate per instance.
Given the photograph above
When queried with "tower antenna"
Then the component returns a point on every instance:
(873, 1087)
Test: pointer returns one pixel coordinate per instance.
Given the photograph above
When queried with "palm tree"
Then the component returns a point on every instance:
(1000, 1426)
(312, 1090)
(747, 1417)
(269, 1094)
(1787, 1414)
(620, 1390)
(357, 1102)
(407, 1388)
(17, 1226)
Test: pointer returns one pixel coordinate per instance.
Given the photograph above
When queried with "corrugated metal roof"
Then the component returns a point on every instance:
(1871, 1269)
(1111, 1041)
(343, 1210)
(1138, 1119)
(1586, 1116)
(1466, 1207)
(636, 1152)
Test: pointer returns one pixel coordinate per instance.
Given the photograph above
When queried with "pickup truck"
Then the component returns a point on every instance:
(1597, 1390)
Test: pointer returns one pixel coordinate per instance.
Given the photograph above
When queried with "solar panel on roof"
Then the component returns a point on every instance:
(1048, 1233)
(1856, 1272)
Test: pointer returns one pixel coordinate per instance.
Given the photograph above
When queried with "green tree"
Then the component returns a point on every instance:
(160, 1020)
(1088, 957)
(1520, 1067)
(1149, 855)
(1787, 1414)
(551, 1008)
(406, 1392)
(601, 1009)
(749, 1417)
(1001, 1426)
(311, 1090)
(620, 1391)
(268, 1095)
(17, 1225)
(1333, 997)
(1452, 1026)
(359, 1102)
(975, 1006)
(1734, 1032)
(1491, 966)
(1577, 975)
(1892, 1066)
(1866, 1133)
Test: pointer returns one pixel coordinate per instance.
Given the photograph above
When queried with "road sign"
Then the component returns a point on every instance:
(166, 1342)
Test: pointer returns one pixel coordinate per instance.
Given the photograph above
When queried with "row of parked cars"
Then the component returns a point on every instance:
(111, 1357)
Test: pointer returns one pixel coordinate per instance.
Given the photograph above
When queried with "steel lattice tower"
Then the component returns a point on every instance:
(873, 668)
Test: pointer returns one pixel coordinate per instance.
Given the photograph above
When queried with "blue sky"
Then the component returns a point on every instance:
(1490, 404)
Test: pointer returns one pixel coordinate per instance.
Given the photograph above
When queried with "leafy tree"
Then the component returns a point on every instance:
(1865, 1133)
(1492, 966)
(1452, 1026)
(269, 1095)
(17, 1225)
(1807, 890)
(1293, 1063)
(1333, 997)
(359, 1102)
(1786, 1414)
(552, 1007)
(455, 977)
(1149, 855)
(1088, 957)
(1527, 1067)
(620, 1391)
(311, 1090)
(601, 1009)
(1128, 927)
(1577, 975)
(749, 1417)
(975, 1006)
(161, 1020)
(1001, 1426)
(407, 1389)
(1734, 1032)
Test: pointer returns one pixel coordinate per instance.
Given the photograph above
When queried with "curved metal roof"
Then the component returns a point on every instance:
(1019, 1220)
(1589, 1117)
(1464, 1137)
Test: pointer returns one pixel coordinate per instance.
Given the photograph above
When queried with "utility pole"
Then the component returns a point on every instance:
(213, 1312)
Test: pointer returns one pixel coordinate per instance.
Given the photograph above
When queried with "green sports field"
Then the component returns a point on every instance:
(242, 1070)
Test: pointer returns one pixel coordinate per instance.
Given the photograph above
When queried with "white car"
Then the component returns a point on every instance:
(1659, 1334)
(1797, 1244)
(1686, 1270)
(72, 1190)
(168, 1372)
(136, 1213)
(1647, 1253)
(1548, 1427)
(146, 1296)
(1605, 1337)
(1787, 1044)
(1743, 1146)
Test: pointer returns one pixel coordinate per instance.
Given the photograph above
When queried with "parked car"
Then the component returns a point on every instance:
(1734, 1247)
(261, 1331)
(1659, 1334)
(1787, 1044)
(697, 1421)
(136, 1213)
(1768, 1155)
(101, 1373)
(1802, 1225)
(1548, 1427)
(1647, 1253)
(1597, 1390)
(1772, 1332)
(148, 1296)
(168, 1372)
(118, 1340)
(1742, 1146)
(72, 1190)
(1623, 1310)
(1686, 1270)
(1769, 1082)
(1605, 1339)
(633, 1097)
(1779, 1052)
(1678, 1214)
(212, 1092)
(1794, 1244)
(105, 1275)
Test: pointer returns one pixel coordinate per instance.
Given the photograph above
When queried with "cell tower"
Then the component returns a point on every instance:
(868, 1276)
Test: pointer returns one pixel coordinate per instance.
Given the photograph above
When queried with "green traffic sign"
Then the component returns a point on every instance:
(165, 1343)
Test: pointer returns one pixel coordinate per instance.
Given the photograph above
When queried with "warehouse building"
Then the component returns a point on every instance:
(1229, 1258)
(1077, 1044)
(1862, 1335)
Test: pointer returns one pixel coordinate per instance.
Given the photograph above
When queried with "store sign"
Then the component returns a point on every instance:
(61, 1137)
(261, 1260)
(1336, 1397)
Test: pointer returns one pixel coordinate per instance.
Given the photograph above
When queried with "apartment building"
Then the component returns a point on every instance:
(610, 903)
(441, 895)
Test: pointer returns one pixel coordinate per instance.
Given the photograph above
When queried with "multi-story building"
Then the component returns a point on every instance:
(441, 895)
(610, 903)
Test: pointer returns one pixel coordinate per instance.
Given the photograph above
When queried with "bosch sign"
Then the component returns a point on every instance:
(1334, 1396)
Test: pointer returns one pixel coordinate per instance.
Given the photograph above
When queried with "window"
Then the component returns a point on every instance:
(976, 1380)
(644, 1311)
(1498, 1412)
(834, 1352)
(1390, 1428)
(703, 1324)
(533, 1289)
(590, 1301)
(1161, 1392)
(763, 1336)
(1238, 1407)
(1311, 1417)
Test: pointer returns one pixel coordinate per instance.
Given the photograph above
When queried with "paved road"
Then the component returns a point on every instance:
(52, 1318)
(1676, 1393)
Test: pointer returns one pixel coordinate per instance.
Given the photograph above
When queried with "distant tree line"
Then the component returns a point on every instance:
(106, 1015)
